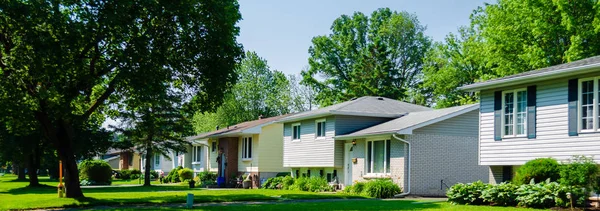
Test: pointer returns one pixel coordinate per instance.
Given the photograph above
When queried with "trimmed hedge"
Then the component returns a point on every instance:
(538, 170)
(95, 172)
(186, 174)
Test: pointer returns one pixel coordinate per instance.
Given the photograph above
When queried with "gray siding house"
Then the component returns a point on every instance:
(373, 137)
(550, 112)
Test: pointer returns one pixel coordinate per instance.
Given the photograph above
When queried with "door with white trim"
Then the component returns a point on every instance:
(348, 164)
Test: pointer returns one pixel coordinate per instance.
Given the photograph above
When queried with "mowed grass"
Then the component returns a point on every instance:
(16, 195)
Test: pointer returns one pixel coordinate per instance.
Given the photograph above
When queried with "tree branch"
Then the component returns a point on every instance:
(101, 99)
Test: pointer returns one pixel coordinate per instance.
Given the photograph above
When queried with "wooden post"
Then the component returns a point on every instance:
(61, 189)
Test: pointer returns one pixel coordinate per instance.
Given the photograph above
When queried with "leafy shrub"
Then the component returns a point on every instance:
(207, 176)
(549, 194)
(96, 172)
(539, 170)
(153, 174)
(381, 188)
(272, 183)
(503, 194)
(173, 176)
(469, 193)
(579, 171)
(135, 174)
(356, 188)
(125, 174)
(287, 182)
(186, 174)
(318, 184)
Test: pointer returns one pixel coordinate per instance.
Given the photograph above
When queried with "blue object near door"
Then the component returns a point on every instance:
(221, 181)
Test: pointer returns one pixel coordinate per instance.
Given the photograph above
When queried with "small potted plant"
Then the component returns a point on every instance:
(247, 183)
(187, 175)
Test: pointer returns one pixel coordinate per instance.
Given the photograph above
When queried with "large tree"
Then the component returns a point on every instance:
(259, 92)
(377, 55)
(66, 61)
(511, 37)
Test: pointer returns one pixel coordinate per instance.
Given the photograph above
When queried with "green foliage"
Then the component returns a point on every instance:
(207, 176)
(538, 170)
(380, 55)
(287, 182)
(356, 188)
(173, 176)
(548, 194)
(312, 184)
(259, 91)
(509, 37)
(273, 183)
(580, 171)
(503, 194)
(95, 172)
(186, 174)
(381, 188)
(469, 193)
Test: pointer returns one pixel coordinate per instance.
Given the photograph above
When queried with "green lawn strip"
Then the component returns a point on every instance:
(369, 204)
(16, 195)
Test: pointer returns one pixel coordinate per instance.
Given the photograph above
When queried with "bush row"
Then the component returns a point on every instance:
(578, 171)
(378, 188)
(312, 184)
(206, 178)
(129, 174)
(536, 195)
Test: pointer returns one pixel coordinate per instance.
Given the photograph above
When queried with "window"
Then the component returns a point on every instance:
(156, 159)
(247, 148)
(378, 157)
(588, 104)
(214, 146)
(320, 128)
(296, 131)
(197, 154)
(514, 112)
(130, 158)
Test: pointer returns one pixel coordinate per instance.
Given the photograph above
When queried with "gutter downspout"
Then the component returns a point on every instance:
(409, 159)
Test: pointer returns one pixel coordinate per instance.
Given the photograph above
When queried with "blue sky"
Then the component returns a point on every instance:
(281, 31)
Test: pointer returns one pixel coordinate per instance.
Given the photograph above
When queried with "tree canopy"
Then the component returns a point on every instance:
(379, 55)
(511, 37)
(65, 62)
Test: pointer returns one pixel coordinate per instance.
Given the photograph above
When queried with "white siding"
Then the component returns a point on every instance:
(309, 151)
(462, 125)
(552, 138)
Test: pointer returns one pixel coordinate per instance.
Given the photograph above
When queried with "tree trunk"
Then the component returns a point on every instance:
(33, 166)
(71, 174)
(21, 171)
(147, 168)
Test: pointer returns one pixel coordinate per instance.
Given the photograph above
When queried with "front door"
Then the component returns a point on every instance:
(348, 164)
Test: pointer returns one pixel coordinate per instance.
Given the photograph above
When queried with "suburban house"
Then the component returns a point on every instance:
(250, 148)
(165, 164)
(372, 137)
(549, 112)
(122, 159)
(424, 152)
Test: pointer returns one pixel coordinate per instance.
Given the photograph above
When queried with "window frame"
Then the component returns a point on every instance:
(595, 122)
(247, 151)
(196, 159)
(369, 159)
(299, 132)
(323, 127)
(156, 159)
(514, 114)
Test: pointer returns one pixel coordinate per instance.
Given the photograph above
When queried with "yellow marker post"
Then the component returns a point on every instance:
(61, 187)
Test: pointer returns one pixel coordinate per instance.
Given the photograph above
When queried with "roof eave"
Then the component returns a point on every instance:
(531, 78)
(347, 137)
(300, 118)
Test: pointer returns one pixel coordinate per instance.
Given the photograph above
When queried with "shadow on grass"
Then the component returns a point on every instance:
(169, 199)
(320, 196)
(46, 189)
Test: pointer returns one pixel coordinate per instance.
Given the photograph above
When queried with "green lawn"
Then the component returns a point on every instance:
(15, 195)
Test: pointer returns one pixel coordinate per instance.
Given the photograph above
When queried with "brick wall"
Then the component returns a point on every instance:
(440, 157)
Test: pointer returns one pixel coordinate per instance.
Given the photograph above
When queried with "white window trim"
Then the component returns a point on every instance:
(317, 128)
(194, 154)
(374, 175)
(155, 163)
(515, 104)
(299, 132)
(594, 104)
(244, 139)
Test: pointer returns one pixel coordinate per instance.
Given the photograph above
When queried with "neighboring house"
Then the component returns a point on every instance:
(314, 143)
(122, 159)
(549, 112)
(252, 147)
(424, 152)
(160, 163)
